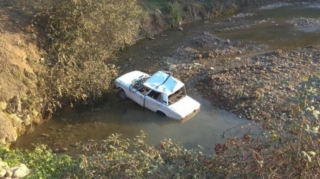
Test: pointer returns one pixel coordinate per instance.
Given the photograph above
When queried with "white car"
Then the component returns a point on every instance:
(161, 93)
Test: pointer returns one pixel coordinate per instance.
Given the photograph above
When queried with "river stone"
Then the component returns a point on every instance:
(3, 165)
(2, 172)
(20, 171)
(8, 173)
(7, 132)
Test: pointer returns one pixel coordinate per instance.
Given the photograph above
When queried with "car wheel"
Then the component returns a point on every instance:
(161, 114)
(122, 94)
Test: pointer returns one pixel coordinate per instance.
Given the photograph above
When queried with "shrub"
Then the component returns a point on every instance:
(42, 162)
(79, 36)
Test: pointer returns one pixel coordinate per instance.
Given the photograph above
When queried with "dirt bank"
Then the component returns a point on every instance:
(19, 98)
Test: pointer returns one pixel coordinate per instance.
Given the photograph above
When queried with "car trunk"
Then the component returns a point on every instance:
(185, 106)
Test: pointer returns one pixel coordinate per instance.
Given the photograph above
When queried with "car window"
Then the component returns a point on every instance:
(144, 90)
(155, 95)
(179, 94)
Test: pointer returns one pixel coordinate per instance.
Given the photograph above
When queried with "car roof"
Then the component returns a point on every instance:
(164, 83)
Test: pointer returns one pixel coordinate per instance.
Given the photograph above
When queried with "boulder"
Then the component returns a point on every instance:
(2, 172)
(7, 132)
(8, 173)
(3, 165)
(21, 171)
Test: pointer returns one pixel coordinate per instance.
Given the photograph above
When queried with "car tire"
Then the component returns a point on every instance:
(161, 114)
(122, 94)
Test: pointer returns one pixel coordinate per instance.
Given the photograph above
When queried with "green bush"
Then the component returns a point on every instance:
(79, 36)
(122, 158)
(42, 162)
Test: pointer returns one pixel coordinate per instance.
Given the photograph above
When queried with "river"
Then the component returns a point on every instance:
(212, 124)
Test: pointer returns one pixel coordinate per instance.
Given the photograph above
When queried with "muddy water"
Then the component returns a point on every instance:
(211, 125)
(208, 127)
(270, 27)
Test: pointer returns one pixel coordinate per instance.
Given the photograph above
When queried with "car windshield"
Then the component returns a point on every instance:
(176, 96)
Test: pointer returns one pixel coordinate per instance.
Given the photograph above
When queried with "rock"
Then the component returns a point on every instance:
(7, 132)
(180, 28)
(26, 119)
(3, 165)
(112, 66)
(45, 135)
(2, 172)
(8, 173)
(64, 149)
(151, 38)
(20, 172)
(35, 112)
(3, 105)
(42, 60)
(16, 121)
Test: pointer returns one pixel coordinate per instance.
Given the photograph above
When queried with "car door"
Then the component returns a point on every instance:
(153, 101)
(136, 96)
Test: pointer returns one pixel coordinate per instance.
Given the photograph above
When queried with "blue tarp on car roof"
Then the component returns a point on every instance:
(164, 83)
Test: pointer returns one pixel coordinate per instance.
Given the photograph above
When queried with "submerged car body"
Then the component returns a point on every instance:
(161, 93)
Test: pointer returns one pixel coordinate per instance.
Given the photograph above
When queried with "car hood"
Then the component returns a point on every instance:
(129, 77)
(185, 106)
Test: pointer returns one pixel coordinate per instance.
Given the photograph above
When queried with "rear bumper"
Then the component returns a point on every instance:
(196, 111)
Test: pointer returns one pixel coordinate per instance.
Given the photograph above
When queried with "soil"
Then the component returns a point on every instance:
(18, 59)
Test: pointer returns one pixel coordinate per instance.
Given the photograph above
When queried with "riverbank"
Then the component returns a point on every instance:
(160, 16)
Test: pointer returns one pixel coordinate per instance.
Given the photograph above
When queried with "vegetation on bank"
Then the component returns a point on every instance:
(289, 148)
